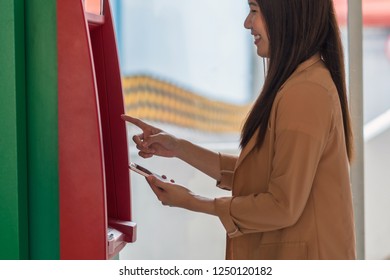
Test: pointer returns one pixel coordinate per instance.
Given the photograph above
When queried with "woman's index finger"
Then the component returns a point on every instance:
(135, 121)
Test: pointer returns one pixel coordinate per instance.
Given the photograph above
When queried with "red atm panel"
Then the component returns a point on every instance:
(95, 197)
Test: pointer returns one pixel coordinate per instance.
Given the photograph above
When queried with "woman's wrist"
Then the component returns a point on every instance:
(201, 204)
(179, 149)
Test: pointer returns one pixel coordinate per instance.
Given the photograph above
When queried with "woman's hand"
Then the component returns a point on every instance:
(178, 196)
(170, 194)
(153, 141)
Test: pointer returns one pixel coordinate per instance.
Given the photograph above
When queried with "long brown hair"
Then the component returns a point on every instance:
(297, 30)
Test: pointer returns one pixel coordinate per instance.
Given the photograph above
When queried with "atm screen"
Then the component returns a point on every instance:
(94, 6)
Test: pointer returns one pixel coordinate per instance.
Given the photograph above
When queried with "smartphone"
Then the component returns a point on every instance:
(140, 169)
(143, 171)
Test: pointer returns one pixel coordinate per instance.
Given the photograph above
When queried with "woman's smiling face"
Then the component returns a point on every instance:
(255, 22)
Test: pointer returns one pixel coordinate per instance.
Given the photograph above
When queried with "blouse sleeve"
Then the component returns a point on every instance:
(302, 125)
(227, 164)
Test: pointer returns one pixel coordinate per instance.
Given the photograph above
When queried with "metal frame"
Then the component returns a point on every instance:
(355, 47)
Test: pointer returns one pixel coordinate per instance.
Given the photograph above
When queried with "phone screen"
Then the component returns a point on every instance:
(140, 169)
(145, 172)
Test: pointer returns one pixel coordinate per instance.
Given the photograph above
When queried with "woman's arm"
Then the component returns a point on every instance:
(155, 142)
(202, 159)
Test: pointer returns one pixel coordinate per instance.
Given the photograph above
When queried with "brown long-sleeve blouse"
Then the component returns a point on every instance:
(291, 199)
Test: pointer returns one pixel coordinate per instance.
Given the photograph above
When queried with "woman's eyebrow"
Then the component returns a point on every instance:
(252, 3)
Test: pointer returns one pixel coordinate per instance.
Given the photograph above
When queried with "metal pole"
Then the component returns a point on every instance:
(355, 47)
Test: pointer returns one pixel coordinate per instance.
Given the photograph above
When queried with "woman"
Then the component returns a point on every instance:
(291, 194)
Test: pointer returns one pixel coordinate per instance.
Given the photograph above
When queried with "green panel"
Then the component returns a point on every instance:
(13, 173)
(42, 116)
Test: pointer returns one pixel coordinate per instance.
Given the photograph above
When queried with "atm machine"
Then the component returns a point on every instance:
(94, 182)
(64, 179)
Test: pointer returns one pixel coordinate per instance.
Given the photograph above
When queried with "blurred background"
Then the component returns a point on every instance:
(190, 68)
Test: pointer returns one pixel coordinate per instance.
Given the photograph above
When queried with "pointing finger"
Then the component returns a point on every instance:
(135, 121)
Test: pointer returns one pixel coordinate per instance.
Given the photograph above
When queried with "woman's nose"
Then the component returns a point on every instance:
(247, 23)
